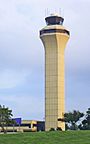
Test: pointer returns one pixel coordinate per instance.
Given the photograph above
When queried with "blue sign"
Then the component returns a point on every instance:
(18, 121)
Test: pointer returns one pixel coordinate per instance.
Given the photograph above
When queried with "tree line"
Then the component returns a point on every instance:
(77, 120)
(73, 120)
(5, 118)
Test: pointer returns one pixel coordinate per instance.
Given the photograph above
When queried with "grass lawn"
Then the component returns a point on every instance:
(67, 137)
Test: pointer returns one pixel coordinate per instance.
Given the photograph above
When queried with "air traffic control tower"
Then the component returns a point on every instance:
(54, 37)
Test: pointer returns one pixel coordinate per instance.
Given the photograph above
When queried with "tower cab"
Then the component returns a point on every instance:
(54, 19)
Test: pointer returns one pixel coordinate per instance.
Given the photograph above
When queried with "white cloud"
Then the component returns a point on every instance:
(11, 20)
(26, 107)
(11, 79)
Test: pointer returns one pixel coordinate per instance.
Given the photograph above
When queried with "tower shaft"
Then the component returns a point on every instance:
(54, 79)
(54, 37)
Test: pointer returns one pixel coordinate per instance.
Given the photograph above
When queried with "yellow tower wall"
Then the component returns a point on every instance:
(54, 44)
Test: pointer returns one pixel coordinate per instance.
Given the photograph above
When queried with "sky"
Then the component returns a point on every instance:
(22, 55)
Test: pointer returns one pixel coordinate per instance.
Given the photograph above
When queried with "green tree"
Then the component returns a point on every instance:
(71, 119)
(86, 122)
(88, 117)
(5, 117)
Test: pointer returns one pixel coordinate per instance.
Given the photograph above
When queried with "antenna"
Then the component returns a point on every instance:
(55, 10)
(60, 11)
(47, 11)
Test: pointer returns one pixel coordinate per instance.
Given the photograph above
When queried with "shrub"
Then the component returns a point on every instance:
(59, 129)
(52, 129)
